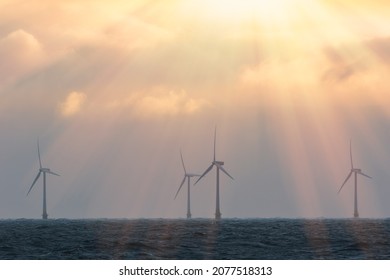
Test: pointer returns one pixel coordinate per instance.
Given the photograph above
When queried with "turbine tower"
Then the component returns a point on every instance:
(355, 171)
(188, 177)
(219, 166)
(44, 171)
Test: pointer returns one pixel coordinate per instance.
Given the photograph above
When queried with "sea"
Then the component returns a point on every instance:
(195, 239)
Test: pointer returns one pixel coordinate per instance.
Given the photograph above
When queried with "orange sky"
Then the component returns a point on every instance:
(115, 90)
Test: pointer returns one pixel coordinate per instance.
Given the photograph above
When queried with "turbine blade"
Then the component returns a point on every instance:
(349, 175)
(350, 152)
(53, 173)
(204, 173)
(39, 154)
(35, 180)
(182, 161)
(361, 173)
(224, 171)
(182, 183)
(215, 139)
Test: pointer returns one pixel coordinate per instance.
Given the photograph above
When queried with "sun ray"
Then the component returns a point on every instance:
(135, 73)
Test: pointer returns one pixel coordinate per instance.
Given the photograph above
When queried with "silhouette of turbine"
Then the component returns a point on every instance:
(44, 171)
(218, 165)
(355, 171)
(188, 177)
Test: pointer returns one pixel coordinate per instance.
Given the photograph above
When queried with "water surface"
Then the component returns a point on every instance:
(195, 239)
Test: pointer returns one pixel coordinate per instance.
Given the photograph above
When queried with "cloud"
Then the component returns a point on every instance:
(72, 104)
(20, 52)
(279, 76)
(381, 48)
(171, 104)
(20, 43)
(347, 75)
(341, 66)
(158, 102)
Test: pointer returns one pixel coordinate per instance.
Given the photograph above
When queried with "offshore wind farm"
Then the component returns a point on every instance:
(199, 238)
(115, 95)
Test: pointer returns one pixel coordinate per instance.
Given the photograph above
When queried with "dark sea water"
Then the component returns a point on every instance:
(200, 239)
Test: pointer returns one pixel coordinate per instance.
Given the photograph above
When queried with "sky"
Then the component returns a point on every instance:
(114, 90)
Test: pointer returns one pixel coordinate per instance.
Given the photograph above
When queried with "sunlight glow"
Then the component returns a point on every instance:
(125, 87)
(248, 9)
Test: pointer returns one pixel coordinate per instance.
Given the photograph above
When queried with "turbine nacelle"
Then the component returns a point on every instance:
(47, 170)
(219, 163)
(44, 170)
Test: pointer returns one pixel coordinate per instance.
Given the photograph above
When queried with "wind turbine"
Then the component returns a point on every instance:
(218, 165)
(188, 177)
(356, 171)
(44, 171)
